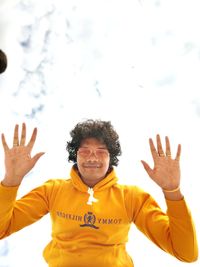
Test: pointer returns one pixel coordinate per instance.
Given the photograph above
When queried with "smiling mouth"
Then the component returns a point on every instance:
(91, 166)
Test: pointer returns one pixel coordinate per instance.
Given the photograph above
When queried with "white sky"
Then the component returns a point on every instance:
(135, 63)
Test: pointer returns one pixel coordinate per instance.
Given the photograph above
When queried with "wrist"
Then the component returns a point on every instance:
(10, 182)
(171, 190)
(174, 194)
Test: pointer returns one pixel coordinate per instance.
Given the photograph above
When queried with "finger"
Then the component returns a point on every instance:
(153, 149)
(5, 146)
(32, 140)
(178, 154)
(23, 135)
(147, 168)
(16, 137)
(159, 146)
(168, 149)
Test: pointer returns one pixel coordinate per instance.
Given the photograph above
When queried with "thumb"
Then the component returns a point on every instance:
(147, 167)
(37, 156)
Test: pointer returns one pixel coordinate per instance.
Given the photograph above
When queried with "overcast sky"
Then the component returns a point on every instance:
(135, 63)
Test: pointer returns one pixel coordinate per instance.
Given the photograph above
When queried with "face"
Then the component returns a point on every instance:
(93, 161)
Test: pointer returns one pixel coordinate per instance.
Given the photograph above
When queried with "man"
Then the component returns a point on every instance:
(91, 213)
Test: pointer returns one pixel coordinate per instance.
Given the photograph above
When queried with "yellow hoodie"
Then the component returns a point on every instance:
(90, 226)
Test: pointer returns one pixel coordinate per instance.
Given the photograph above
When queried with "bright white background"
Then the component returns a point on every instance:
(133, 62)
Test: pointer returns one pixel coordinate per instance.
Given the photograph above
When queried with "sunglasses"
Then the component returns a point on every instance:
(98, 152)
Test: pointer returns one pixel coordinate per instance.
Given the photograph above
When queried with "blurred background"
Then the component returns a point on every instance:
(136, 63)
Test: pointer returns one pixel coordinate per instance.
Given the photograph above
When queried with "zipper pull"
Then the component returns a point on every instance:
(91, 196)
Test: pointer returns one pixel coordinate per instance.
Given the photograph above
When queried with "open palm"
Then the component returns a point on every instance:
(166, 171)
(18, 160)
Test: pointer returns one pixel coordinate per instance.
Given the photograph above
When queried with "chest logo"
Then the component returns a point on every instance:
(89, 220)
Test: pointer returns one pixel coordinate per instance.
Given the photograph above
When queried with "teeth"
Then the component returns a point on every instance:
(93, 166)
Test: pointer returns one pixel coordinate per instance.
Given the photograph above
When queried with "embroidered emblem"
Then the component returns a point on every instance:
(89, 219)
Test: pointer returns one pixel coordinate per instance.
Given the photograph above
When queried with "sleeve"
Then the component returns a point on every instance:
(17, 214)
(173, 231)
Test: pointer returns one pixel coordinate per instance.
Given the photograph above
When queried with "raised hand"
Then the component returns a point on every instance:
(18, 160)
(166, 171)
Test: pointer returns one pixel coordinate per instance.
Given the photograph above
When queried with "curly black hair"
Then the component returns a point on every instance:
(102, 130)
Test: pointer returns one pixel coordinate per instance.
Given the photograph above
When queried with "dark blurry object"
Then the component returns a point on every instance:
(3, 61)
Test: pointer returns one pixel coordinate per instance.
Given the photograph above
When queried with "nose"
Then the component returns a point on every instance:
(92, 155)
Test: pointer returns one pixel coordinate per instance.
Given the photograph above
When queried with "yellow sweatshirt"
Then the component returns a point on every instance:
(90, 226)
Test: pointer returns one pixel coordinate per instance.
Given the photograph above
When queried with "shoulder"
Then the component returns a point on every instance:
(56, 183)
(134, 195)
(133, 190)
(52, 186)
